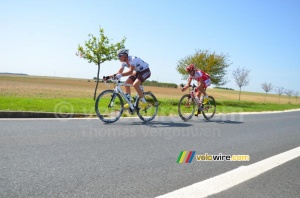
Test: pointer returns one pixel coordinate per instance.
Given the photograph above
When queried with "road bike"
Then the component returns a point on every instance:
(187, 106)
(109, 105)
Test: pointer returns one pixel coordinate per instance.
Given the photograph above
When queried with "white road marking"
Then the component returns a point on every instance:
(265, 112)
(34, 119)
(218, 114)
(60, 119)
(229, 179)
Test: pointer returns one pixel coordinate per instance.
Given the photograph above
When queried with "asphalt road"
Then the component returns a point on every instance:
(129, 158)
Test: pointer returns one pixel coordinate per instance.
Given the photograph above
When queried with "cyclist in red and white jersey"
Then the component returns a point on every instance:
(138, 72)
(203, 80)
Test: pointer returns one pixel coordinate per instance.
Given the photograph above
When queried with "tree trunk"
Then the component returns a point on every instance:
(97, 82)
(240, 94)
(265, 97)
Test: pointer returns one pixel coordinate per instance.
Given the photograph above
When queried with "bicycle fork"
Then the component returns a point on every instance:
(112, 100)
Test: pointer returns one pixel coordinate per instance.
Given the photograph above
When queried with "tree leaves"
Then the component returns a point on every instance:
(213, 64)
(241, 76)
(99, 50)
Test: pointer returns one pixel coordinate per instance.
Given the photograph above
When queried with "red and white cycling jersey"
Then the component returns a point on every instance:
(204, 76)
(138, 63)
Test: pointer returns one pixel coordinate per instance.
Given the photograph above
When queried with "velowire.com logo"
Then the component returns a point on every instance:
(188, 156)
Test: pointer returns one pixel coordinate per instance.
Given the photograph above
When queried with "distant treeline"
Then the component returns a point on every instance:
(223, 88)
(6, 73)
(159, 84)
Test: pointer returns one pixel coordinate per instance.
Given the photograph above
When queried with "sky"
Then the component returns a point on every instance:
(41, 37)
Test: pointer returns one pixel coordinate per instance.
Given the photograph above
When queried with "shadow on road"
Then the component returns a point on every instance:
(174, 123)
(183, 124)
(162, 124)
(226, 122)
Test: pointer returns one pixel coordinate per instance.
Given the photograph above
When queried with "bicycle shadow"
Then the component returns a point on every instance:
(159, 124)
(225, 121)
(174, 122)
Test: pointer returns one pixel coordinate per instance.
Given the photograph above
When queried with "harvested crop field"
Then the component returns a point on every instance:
(55, 87)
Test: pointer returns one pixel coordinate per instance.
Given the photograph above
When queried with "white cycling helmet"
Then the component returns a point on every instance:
(123, 51)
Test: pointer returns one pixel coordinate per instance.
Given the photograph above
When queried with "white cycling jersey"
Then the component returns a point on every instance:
(138, 63)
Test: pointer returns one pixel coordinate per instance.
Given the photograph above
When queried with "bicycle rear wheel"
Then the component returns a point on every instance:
(209, 109)
(186, 107)
(151, 110)
(109, 106)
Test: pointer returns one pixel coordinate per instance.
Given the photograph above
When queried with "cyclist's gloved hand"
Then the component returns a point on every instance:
(183, 88)
(118, 76)
(105, 78)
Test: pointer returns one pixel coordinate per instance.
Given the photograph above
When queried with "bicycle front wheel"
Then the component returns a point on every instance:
(147, 114)
(186, 107)
(109, 106)
(209, 109)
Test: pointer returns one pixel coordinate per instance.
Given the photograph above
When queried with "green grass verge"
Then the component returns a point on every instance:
(169, 106)
(86, 105)
(63, 105)
(242, 106)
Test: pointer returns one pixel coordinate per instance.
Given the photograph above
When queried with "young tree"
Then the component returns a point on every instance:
(267, 87)
(296, 94)
(289, 93)
(241, 77)
(98, 50)
(279, 91)
(213, 64)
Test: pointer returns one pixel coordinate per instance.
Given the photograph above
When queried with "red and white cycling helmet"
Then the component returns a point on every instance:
(191, 67)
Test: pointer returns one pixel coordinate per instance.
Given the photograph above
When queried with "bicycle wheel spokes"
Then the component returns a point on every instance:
(209, 109)
(148, 113)
(186, 107)
(109, 106)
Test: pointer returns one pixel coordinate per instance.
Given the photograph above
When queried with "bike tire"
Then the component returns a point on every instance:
(109, 106)
(151, 111)
(186, 107)
(209, 109)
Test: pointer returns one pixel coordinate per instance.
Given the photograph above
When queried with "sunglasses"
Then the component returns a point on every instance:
(120, 55)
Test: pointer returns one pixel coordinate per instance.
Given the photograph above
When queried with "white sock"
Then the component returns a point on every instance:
(144, 100)
(201, 99)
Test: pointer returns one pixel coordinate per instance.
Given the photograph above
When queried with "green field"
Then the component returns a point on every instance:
(64, 95)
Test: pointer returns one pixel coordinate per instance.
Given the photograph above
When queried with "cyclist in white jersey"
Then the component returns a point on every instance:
(138, 72)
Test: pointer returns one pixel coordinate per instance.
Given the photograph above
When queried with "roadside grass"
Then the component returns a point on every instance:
(228, 106)
(63, 105)
(167, 107)
(170, 106)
